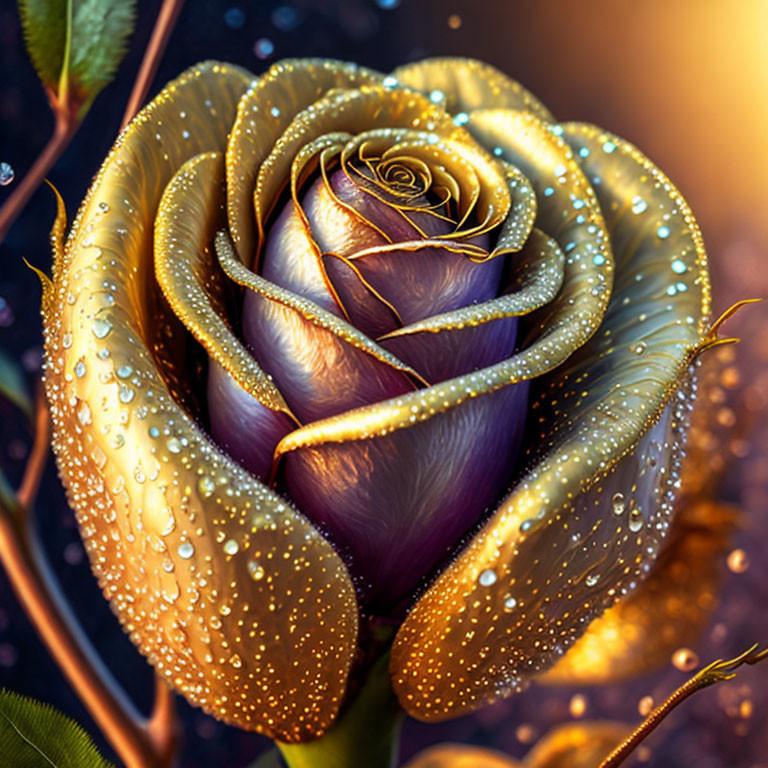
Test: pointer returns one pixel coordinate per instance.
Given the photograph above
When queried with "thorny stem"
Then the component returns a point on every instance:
(166, 20)
(714, 673)
(66, 127)
(140, 742)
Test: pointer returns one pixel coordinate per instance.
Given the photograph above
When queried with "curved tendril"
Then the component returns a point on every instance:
(713, 673)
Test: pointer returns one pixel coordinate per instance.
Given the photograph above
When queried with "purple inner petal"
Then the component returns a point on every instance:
(318, 373)
(450, 353)
(396, 505)
(246, 429)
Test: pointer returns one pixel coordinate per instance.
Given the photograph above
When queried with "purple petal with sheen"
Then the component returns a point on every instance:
(423, 282)
(318, 373)
(396, 505)
(290, 261)
(450, 353)
(247, 430)
(366, 311)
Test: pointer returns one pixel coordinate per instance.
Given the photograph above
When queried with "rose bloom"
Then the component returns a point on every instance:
(331, 352)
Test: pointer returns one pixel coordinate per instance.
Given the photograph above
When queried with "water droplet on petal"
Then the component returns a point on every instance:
(592, 579)
(618, 504)
(487, 578)
(206, 486)
(255, 570)
(186, 550)
(101, 328)
(231, 547)
(510, 603)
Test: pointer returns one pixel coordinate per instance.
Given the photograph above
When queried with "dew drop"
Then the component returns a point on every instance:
(487, 578)
(186, 550)
(66, 340)
(639, 205)
(124, 371)
(636, 521)
(436, 96)
(84, 414)
(206, 486)
(7, 174)
(126, 394)
(679, 267)
(592, 579)
(663, 232)
(80, 369)
(275, 111)
(255, 570)
(174, 445)
(618, 504)
(510, 604)
(639, 348)
(236, 661)
(101, 328)
(231, 547)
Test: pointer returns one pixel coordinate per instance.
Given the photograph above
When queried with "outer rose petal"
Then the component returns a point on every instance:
(556, 545)
(221, 583)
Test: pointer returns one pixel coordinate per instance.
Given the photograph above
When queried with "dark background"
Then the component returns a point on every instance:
(686, 81)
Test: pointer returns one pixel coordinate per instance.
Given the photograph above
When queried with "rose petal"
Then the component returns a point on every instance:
(461, 85)
(449, 353)
(397, 504)
(325, 365)
(247, 430)
(291, 262)
(419, 283)
(221, 583)
(601, 425)
(317, 372)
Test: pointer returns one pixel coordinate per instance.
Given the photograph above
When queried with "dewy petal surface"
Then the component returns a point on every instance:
(462, 85)
(556, 553)
(223, 586)
(270, 105)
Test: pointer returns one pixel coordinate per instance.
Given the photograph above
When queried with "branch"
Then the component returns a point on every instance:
(140, 742)
(166, 20)
(711, 674)
(66, 127)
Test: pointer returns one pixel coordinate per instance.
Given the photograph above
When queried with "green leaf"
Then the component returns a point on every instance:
(13, 387)
(34, 735)
(45, 36)
(76, 45)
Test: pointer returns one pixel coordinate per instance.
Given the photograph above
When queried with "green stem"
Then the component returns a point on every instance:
(367, 734)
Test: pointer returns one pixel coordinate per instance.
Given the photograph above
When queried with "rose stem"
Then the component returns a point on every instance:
(140, 742)
(166, 20)
(65, 129)
(711, 674)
